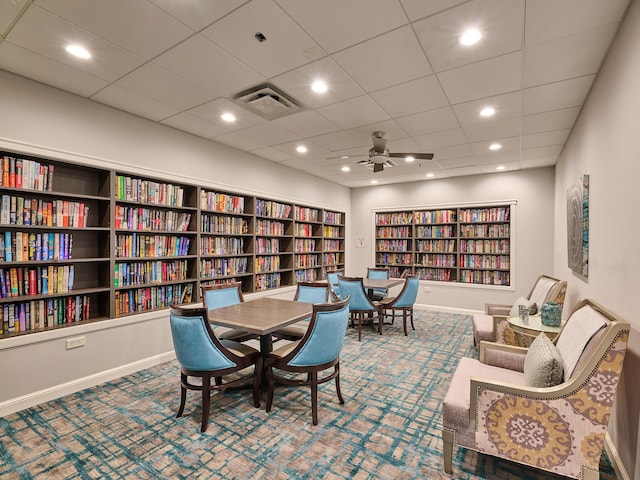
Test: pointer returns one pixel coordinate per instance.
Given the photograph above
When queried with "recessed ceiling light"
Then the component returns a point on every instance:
(501, 167)
(345, 156)
(228, 117)
(319, 86)
(301, 149)
(373, 182)
(78, 51)
(470, 37)
(495, 146)
(346, 169)
(409, 158)
(430, 175)
(487, 111)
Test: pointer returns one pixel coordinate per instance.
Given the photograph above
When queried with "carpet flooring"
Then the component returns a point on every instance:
(389, 427)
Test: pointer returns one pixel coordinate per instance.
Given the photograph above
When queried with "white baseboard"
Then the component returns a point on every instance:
(20, 403)
(616, 461)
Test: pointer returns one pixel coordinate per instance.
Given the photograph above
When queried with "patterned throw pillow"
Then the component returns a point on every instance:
(515, 309)
(543, 364)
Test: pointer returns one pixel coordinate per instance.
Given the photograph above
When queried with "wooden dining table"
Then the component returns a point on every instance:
(370, 284)
(262, 316)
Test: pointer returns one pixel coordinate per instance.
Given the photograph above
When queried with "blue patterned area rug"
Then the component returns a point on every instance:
(389, 427)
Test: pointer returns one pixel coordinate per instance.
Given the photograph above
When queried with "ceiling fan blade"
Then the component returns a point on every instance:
(417, 156)
(379, 142)
(378, 167)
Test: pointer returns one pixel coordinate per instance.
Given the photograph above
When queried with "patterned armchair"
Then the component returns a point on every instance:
(492, 324)
(490, 406)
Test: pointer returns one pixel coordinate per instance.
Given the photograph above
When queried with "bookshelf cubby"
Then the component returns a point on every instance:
(80, 244)
(457, 245)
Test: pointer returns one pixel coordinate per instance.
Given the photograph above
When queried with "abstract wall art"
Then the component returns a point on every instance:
(578, 226)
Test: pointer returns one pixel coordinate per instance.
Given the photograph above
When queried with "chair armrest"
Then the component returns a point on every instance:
(497, 309)
(503, 356)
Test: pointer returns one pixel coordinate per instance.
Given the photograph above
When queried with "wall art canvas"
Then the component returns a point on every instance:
(578, 226)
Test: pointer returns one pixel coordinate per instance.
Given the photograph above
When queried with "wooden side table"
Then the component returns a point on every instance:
(527, 331)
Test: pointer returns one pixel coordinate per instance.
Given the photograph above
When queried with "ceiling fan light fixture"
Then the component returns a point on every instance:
(470, 37)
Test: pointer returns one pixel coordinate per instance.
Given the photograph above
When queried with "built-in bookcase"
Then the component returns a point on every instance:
(81, 244)
(464, 245)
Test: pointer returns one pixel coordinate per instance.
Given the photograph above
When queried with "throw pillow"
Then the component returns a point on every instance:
(543, 364)
(515, 309)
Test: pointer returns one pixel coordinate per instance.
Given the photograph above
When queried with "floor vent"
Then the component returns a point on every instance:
(267, 101)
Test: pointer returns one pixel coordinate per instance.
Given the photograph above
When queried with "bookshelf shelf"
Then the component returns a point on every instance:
(133, 243)
(457, 245)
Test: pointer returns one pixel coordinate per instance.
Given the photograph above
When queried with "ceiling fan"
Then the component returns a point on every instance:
(379, 155)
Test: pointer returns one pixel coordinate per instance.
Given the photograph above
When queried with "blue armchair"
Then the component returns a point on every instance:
(361, 309)
(318, 350)
(310, 292)
(379, 273)
(404, 301)
(222, 295)
(332, 278)
(203, 355)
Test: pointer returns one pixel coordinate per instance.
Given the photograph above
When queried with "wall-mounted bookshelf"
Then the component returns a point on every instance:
(81, 244)
(464, 245)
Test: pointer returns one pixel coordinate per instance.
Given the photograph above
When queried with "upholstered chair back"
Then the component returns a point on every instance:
(352, 287)
(313, 292)
(195, 344)
(332, 278)
(378, 273)
(218, 296)
(409, 293)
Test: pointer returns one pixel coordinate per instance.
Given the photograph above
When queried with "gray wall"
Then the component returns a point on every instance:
(605, 144)
(40, 120)
(532, 235)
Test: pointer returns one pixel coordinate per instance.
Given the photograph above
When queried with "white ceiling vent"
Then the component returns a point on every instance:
(267, 101)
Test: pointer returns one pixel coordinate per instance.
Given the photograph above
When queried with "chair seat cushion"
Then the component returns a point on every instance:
(294, 331)
(457, 401)
(225, 333)
(284, 350)
(240, 349)
(482, 328)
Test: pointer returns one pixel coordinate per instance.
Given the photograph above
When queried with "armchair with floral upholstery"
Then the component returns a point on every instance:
(492, 324)
(500, 405)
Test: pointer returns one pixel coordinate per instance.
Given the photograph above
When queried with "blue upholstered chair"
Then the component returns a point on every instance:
(203, 355)
(378, 273)
(361, 309)
(309, 292)
(223, 295)
(318, 350)
(404, 301)
(332, 278)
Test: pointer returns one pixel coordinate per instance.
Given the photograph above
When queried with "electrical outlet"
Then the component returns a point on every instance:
(427, 289)
(75, 342)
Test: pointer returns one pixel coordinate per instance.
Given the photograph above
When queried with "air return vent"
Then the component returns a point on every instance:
(267, 101)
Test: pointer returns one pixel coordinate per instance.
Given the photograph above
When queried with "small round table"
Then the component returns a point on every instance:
(527, 331)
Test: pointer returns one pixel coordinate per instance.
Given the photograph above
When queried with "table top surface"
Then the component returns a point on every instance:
(261, 316)
(534, 324)
(381, 282)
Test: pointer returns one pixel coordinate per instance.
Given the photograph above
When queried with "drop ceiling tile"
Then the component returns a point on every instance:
(204, 63)
(505, 167)
(239, 141)
(139, 27)
(308, 123)
(33, 65)
(390, 128)
(500, 22)
(166, 87)
(488, 78)
(313, 149)
(9, 11)
(427, 122)
(493, 129)
(354, 112)
(548, 153)
(340, 141)
(134, 102)
(546, 121)
(554, 96)
(417, 9)
(464, 171)
(556, 137)
(508, 144)
(411, 97)
(198, 14)
(192, 124)
(548, 19)
(287, 46)
(297, 83)
(211, 112)
(568, 57)
(498, 157)
(272, 154)
(46, 34)
(446, 138)
(506, 106)
(392, 58)
(538, 163)
(336, 24)
(453, 151)
(269, 134)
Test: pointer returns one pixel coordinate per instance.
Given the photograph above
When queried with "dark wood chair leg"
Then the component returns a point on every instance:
(411, 317)
(314, 397)
(183, 395)
(337, 370)
(256, 383)
(359, 327)
(404, 321)
(269, 393)
(206, 402)
(380, 320)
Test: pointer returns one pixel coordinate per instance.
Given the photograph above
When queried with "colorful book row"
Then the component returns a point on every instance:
(223, 267)
(305, 214)
(139, 218)
(268, 227)
(26, 246)
(224, 225)
(395, 218)
(267, 264)
(40, 314)
(27, 174)
(221, 202)
(307, 261)
(151, 298)
(435, 216)
(138, 245)
(394, 258)
(392, 245)
(484, 246)
(269, 208)
(480, 231)
(267, 281)
(267, 245)
(132, 189)
(45, 280)
(221, 246)
(436, 231)
(16, 210)
(304, 245)
(485, 277)
(495, 214)
(141, 273)
(393, 232)
(436, 246)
